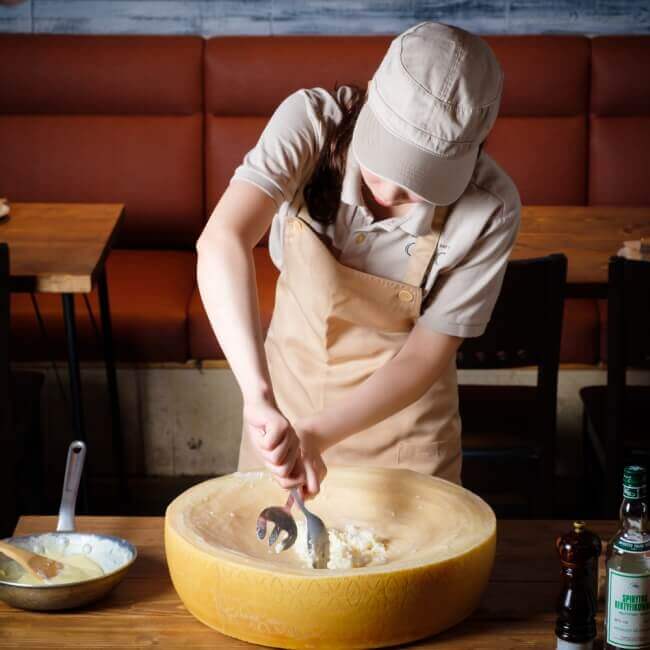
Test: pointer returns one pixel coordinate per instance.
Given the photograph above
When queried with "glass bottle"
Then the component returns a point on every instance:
(627, 609)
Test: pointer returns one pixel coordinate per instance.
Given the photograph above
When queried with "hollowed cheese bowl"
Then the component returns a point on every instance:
(441, 542)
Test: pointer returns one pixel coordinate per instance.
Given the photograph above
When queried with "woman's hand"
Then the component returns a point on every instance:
(311, 449)
(275, 442)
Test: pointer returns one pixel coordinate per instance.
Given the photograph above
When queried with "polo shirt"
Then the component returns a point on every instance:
(465, 277)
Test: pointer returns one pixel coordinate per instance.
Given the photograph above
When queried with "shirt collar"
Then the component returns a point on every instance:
(416, 222)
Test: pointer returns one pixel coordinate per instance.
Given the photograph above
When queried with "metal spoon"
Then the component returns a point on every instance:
(318, 541)
(283, 522)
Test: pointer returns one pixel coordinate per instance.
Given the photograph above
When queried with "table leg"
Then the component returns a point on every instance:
(113, 394)
(75, 381)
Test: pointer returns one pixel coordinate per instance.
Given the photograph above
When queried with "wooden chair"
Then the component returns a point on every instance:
(21, 471)
(509, 431)
(616, 417)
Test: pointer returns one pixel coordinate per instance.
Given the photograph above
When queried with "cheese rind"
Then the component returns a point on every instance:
(245, 593)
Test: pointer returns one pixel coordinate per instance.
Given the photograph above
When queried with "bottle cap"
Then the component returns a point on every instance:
(634, 482)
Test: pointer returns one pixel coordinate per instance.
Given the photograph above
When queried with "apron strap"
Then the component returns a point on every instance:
(425, 248)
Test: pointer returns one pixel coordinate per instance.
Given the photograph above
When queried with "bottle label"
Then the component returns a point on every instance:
(631, 547)
(628, 609)
(634, 492)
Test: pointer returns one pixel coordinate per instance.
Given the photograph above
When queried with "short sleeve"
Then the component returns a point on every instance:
(463, 297)
(282, 157)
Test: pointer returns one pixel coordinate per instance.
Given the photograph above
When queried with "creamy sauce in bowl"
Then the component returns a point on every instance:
(85, 557)
(76, 568)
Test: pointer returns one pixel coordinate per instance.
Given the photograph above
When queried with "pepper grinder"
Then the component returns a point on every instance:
(579, 550)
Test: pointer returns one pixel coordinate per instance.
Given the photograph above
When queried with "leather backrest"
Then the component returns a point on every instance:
(247, 77)
(107, 118)
(120, 118)
(619, 157)
(540, 137)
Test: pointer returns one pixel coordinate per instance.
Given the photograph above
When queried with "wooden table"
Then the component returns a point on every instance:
(62, 248)
(517, 611)
(587, 235)
(59, 247)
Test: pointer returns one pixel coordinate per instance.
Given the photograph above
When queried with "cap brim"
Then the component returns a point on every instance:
(438, 180)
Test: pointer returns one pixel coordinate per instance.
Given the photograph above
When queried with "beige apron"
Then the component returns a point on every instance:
(332, 327)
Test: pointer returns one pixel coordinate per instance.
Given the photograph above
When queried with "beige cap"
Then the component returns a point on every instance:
(431, 102)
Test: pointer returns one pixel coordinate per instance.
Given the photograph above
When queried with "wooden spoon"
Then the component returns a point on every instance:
(39, 566)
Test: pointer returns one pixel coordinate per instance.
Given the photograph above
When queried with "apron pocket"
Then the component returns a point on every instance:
(441, 458)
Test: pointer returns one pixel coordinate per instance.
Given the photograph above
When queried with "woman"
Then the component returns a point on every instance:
(392, 229)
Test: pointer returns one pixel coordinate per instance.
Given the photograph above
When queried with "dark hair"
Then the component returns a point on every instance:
(323, 190)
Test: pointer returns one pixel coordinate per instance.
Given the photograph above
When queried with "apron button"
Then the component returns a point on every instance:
(360, 238)
(405, 296)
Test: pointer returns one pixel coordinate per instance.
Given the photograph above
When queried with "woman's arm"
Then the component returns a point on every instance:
(226, 280)
(401, 381)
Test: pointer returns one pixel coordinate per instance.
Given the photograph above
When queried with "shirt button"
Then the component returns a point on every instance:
(405, 296)
(360, 238)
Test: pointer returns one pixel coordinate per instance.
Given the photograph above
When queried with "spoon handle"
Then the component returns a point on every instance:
(20, 555)
(73, 468)
(298, 499)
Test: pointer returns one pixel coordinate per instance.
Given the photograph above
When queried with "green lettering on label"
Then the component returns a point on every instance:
(632, 604)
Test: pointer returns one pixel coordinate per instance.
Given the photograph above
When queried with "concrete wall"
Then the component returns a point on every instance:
(212, 17)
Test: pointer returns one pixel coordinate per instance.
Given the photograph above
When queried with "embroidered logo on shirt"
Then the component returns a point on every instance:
(440, 250)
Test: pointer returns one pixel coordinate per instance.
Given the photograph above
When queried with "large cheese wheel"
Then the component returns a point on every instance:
(441, 541)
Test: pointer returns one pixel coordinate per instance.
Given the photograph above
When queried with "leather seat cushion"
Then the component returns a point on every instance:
(149, 292)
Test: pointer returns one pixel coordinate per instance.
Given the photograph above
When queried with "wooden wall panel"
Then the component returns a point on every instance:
(16, 18)
(213, 17)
